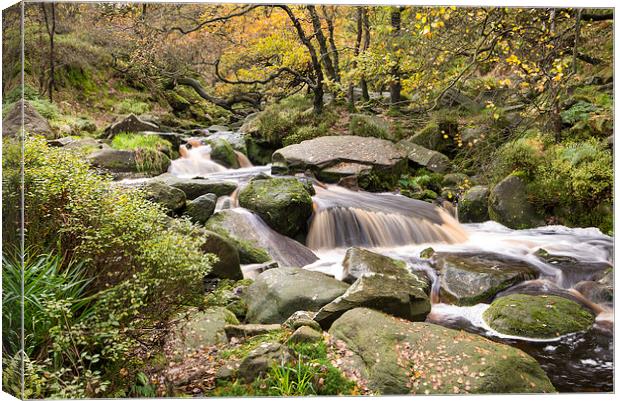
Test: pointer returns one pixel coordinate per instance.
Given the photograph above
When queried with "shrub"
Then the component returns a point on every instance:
(281, 119)
(523, 155)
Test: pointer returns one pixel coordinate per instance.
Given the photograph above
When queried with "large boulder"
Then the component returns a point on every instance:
(195, 187)
(262, 358)
(469, 279)
(359, 261)
(131, 123)
(537, 316)
(474, 205)
(256, 241)
(223, 153)
(377, 163)
(172, 199)
(128, 161)
(34, 123)
(399, 357)
(228, 265)
(278, 293)
(200, 209)
(509, 205)
(420, 156)
(235, 139)
(283, 203)
(402, 296)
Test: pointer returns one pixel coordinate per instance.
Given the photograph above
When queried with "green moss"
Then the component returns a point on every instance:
(537, 316)
(130, 141)
(372, 126)
(131, 106)
(249, 251)
(223, 153)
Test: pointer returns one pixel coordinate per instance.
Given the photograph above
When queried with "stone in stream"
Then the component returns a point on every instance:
(256, 241)
(278, 293)
(145, 161)
(223, 153)
(358, 261)
(217, 128)
(420, 156)
(235, 139)
(395, 356)
(200, 209)
(595, 291)
(573, 269)
(33, 122)
(200, 329)
(474, 205)
(404, 296)
(228, 265)
(509, 205)
(172, 199)
(194, 187)
(131, 123)
(283, 203)
(377, 163)
(469, 279)
(537, 316)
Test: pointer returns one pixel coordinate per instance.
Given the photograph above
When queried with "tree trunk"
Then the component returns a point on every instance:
(320, 38)
(395, 85)
(356, 52)
(50, 24)
(365, 46)
(332, 43)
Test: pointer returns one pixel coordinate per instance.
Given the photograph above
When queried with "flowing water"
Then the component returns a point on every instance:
(402, 228)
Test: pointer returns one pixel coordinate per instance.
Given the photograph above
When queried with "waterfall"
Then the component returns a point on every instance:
(194, 162)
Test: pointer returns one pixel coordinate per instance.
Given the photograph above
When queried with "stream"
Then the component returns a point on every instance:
(399, 227)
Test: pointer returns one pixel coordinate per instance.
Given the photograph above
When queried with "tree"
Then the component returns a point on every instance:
(49, 13)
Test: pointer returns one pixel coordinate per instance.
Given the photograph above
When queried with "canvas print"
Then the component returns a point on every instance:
(211, 199)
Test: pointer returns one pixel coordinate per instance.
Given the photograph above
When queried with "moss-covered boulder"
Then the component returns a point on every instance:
(228, 265)
(223, 153)
(366, 125)
(195, 187)
(283, 203)
(200, 209)
(172, 199)
(278, 293)
(359, 261)
(469, 279)
(510, 206)
(420, 156)
(395, 356)
(474, 205)
(145, 161)
(537, 316)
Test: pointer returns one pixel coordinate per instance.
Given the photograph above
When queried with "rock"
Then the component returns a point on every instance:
(249, 330)
(172, 199)
(573, 269)
(508, 205)
(473, 206)
(399, 357)
(469, 279)
(278, 293)
(146, 162)
(454, 97)
(369, 126)
(223, 153)
(200, 209)
(301, 318)
(235, 139)
(537, 316)
(454, 179)
(283, 203)
(131, 123)
(34, 123)
(195, 187)
(251, 271)
(201, 329)
(305, 334)
(262, 358)
(228, 265)
(596, 291)
(88, 145)
(402, 296)
(359, 261)
(217, 128)
(385, 160)
(422, 157)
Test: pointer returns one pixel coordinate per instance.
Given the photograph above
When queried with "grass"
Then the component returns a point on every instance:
(128, 106)
(128, 141)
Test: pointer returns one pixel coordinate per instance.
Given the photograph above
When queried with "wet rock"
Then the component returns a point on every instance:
(301, 318)
(256, 242)
(228, 265)
(358, 261)
(385, 160)
(542, 316)
(252, 271)
(249, 330)
(223, 153)
(200, 329)
(473, 206)
(200, 209)
(283, 203)
(404, 296)
(422, 157)
(217, 128)
(235, 139)
(469, 279)
(260, 360)
(145, 162)
(34, 123)
(573, 269)
(172, 199)
(195, 187)
(278, 293)
(595, 291)
(305, 334)
(509, 205)
(131, 123)
(400, 357)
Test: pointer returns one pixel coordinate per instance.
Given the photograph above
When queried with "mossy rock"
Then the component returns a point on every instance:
(365, 125)
(509, 204)
(176, 101)
(172, 199)
(473, 207)
(537, 316)
(223, 153)
(283, 203)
